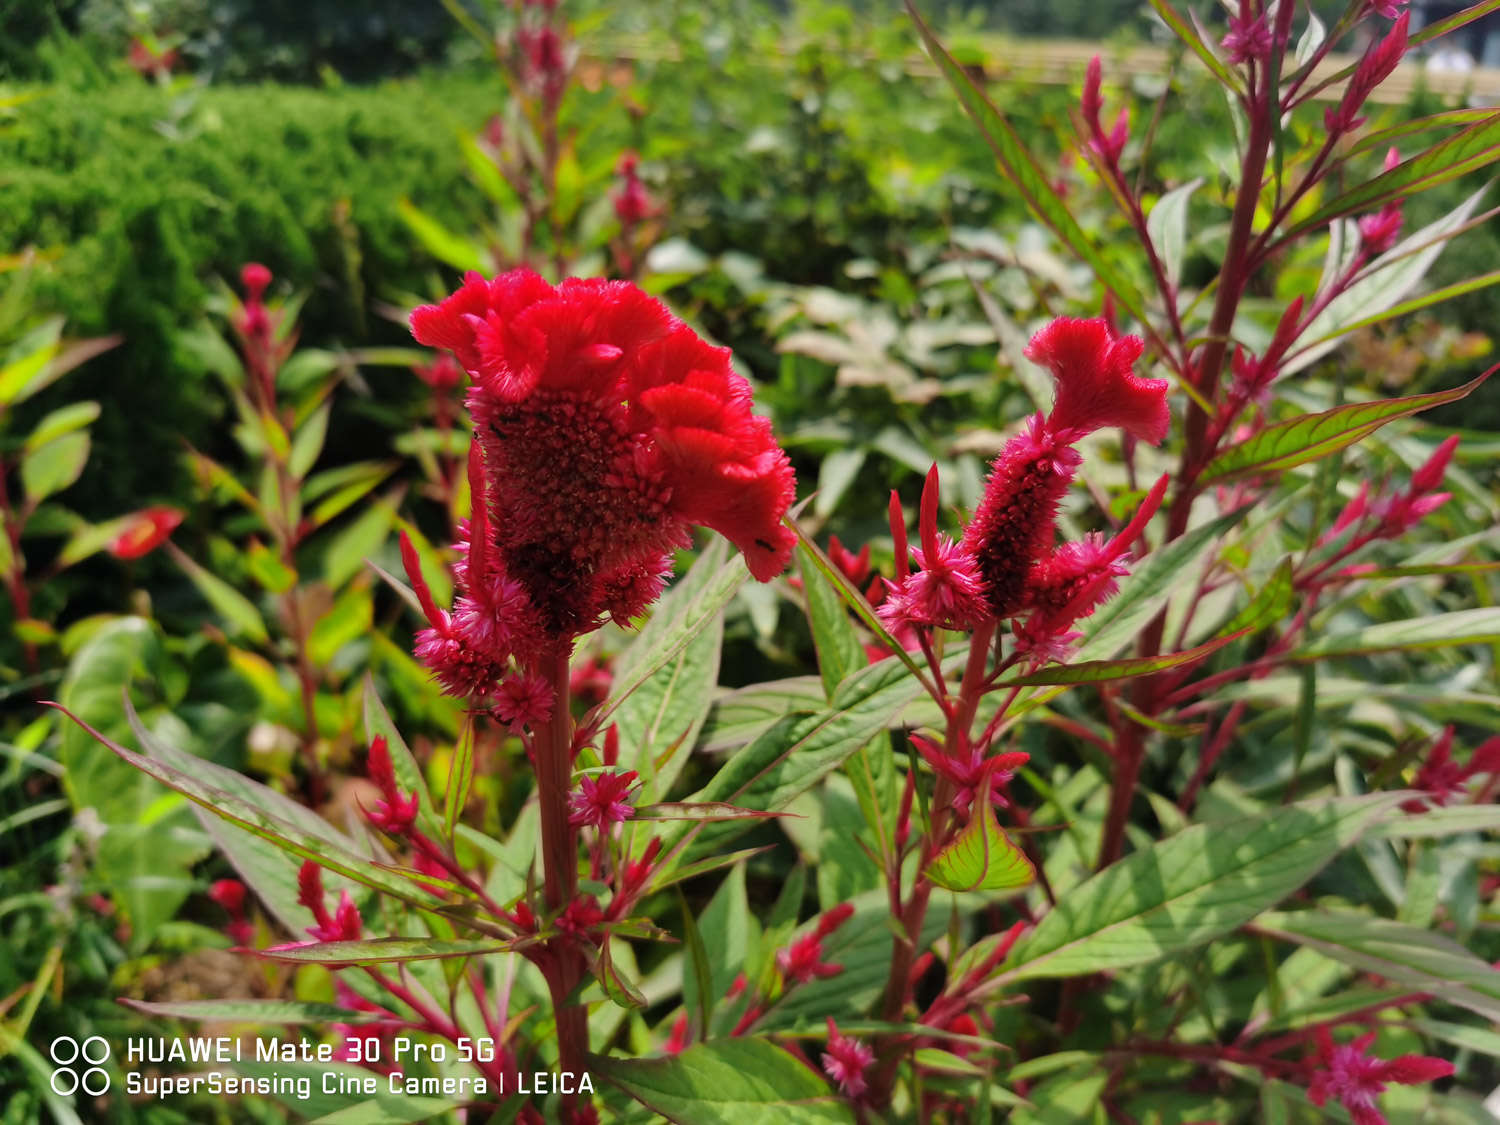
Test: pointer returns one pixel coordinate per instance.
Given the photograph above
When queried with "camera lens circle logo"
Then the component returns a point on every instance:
(78, 1065)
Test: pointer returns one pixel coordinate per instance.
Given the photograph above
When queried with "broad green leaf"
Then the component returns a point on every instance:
(707, 589)
(248, 1011)
(1450, 821)
(308, 443)
(799, 750)
(981, 857)
(339, 1105)
(145, 855)
(61, 421)
(834, 638)
(1309, 437)
(617, 986)
(1167, 225)
(351, 617)
(835, 474)
(1417, 959)
(738, 716)
(659, 721)
(728, 931)
(439, 241)
(28, 371)
(1020, 167)
(380, 951)
(1474, 147)
(1150, 586)
(1190, 888)
(50, 468)
(345, 554)
(322, 844)
(304, 370)
(238, 611)
(1439, 630)
(729, 1082)
(1070, 1098)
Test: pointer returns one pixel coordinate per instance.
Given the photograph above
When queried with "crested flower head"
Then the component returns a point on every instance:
(1096, 387)
(604, 428)
(846, 1061)
(603, 799)
(1349, 1074)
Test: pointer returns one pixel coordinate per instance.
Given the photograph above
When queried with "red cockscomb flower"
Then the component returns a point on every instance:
(1351, 1075)
(846, 1061)
(144, 531)
(604, 429)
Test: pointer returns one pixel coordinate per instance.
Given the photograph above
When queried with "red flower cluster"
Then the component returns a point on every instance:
(144, 531)
(1006, 563)
(1350, 1075)
(605, 428)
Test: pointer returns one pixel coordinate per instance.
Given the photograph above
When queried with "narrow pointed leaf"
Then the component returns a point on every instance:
(248, 1011)
(379, 951)
(1416, 958)
(1025, 174)
(1440, 630)
(1309, 437)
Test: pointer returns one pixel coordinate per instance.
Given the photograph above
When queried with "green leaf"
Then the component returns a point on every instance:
(1190, 888)
(1025, 174)
(1150, 586)
(728, 931)
(1471, 148)
(351, 617)
(308, 442)
(981, 857)
(27, 374)
(379, 951)
(339, 1105)
(61, 421)
(486, 175)
(1101, 671)
(659, 721)
(838, 646)
(238, 611)
(1167, 225)
(617, 986)
(835, 474)
(1438, 630)
(1451, 821)
(729, 1082)
(439, 241)
(248, 1011)
(696, 810)
(798, 751)
(707, 589)
(1070, 1098)
(1417, 959)
(346, 552)
(1309, 437)
(50, 468)
(204, 783)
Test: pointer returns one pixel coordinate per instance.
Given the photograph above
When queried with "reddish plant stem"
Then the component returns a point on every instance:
(1130, 741)
(912, 915)
(565, 964)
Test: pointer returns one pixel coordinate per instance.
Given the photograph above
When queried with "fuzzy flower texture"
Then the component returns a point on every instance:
(604, 428)
(1006, 563)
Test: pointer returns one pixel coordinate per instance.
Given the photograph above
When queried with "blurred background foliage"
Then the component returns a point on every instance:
(824, 210)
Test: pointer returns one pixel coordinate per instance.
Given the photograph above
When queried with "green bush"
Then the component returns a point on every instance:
(148, 196)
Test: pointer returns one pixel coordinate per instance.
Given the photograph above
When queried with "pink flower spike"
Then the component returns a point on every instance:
(524, 700)
(602, 799)
(393, 813)
(927, 519)
(1092, 103)
(1430, 474)
(1095, 384)
(898, 535)
(1387, 9)
(802, 961)
(255, 278)
(1149, 507)
(413, 565)
(846, 1061)
(1348, 1074)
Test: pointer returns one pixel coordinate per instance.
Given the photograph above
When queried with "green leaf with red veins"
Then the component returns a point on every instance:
(1309, 437)
(380, 951)
(982, 857)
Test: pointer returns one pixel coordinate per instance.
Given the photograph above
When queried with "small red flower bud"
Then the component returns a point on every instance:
(230, 894)
(144, 531)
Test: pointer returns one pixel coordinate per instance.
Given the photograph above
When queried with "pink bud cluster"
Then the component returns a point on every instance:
(1006, 565)
(1441, 780)
(1374, 67)
(1349, 1074)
